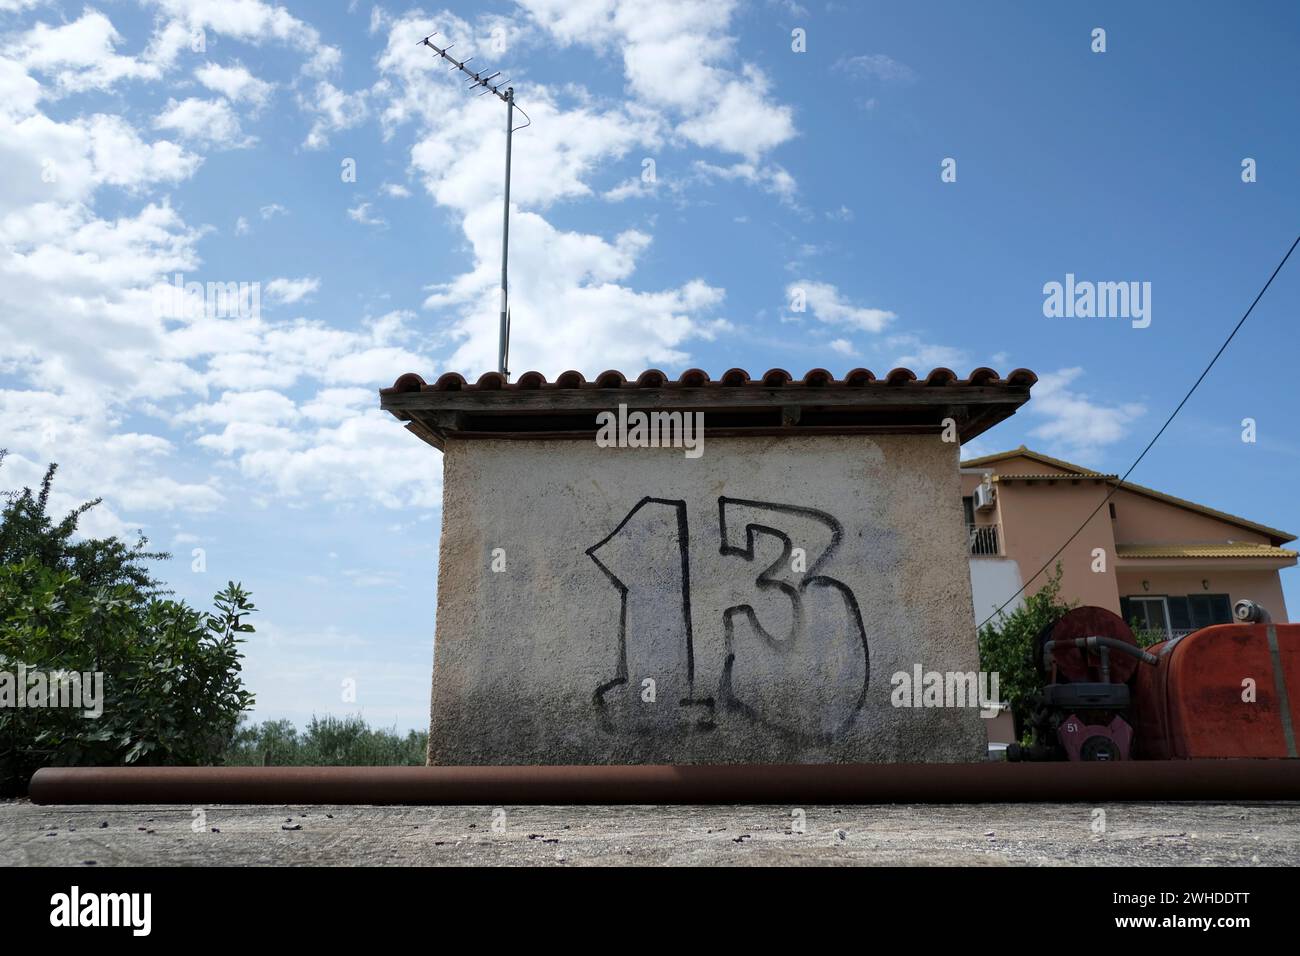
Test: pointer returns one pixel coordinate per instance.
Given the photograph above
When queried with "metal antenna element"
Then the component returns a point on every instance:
(506, 94)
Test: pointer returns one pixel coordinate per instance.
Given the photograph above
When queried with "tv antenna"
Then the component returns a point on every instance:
(506, 94)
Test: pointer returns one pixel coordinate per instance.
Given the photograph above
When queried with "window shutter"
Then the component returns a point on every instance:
(1202, 610)
(1180, 613)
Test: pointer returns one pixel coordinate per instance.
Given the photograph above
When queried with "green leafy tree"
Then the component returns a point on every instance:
(327, 742)
(27, 530)
(172, 685)
(1007, 646)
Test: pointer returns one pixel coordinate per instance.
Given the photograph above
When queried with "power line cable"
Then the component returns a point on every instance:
(1120, 484)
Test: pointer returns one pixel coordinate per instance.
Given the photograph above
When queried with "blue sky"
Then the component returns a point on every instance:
(132, 152)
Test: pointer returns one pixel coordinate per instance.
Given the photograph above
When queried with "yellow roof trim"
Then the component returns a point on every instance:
(1023, 452)
(1234, 550)
(1055, 476)
(1280, 536)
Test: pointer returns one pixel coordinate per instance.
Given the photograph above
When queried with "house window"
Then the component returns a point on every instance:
(1151, 613)
(1176, 614)
(968, 506)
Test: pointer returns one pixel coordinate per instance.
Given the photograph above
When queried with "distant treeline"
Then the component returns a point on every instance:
(325, 742)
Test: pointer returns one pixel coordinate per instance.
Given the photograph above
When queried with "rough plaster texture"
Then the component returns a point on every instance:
(547, 661)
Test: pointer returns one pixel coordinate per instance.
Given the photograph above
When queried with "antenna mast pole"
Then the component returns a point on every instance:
(506, 94)
(503, 338)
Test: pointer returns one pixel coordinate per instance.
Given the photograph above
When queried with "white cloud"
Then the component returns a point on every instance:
(334, 110)
(128, 467)
(679, 56)
(235, 83)
(635, 187)
(791, 7)
(771, 177)
(920, 356)
(207, 121)
(361, 213)
(1074, 421)
(361, 456)
(19, 92)
(52, 162)
(289, 405)
(290, 291)
(86, 348)
(570, 310)
(742, 120)
(181, 22)
(825, 303)
(121, 158)
(570, 299)
(334, 405)
(76, 294)
(460, 163)
(877, 66)
(256, 407)
(80, 55)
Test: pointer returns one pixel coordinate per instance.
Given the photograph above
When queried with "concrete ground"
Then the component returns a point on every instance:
(979, 835)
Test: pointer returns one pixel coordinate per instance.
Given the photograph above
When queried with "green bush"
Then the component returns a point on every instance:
(1147, 636)
(326, 742)
(172, 689)
(26, 531)
(1007, 646)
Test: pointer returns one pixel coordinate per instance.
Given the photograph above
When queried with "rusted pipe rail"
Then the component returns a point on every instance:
(794, 784)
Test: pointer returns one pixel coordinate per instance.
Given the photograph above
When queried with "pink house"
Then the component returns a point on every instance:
(1171, 564)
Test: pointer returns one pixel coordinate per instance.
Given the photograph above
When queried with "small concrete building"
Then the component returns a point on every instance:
(699, 571)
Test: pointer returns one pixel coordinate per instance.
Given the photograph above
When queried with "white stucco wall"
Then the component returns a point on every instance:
(992, 581)
(545, 661)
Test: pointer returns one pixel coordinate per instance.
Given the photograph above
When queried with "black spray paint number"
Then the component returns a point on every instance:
(650, 548)
(807, 679)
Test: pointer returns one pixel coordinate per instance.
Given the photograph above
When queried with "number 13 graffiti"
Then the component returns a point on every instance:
(801, 667)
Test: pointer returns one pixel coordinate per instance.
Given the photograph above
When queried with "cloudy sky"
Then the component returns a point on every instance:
(690, 167)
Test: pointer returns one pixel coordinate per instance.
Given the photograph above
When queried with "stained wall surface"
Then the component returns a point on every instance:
(622, 567)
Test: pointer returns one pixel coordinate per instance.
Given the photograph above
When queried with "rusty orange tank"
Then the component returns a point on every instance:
(1232, 690)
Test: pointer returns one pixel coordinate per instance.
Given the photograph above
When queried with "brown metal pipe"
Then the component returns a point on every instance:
(699, 784)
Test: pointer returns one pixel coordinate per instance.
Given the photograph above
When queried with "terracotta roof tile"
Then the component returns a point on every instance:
(738, 403)
(698, 378)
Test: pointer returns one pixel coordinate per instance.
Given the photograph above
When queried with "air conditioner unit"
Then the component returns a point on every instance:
(984, 497)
